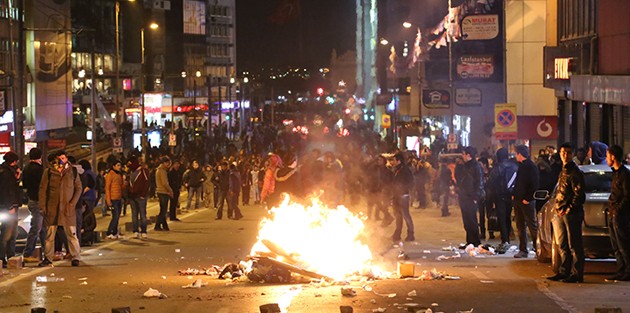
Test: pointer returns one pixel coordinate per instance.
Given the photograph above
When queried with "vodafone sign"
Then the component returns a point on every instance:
(538, 127)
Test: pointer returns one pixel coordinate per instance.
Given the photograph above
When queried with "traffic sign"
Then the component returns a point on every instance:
(505, 121)
(386, 121)
(172, 140)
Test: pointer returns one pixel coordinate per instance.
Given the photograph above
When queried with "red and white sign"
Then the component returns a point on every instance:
(538, 127)
(480, 27)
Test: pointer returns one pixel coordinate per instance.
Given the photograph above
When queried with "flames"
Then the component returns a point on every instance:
(316, 238)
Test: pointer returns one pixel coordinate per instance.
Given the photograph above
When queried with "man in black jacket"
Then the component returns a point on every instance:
(9, 203)
(526, 184)
(175, 180)
(31, 178)
(402, 182)
(470, 187)
(499, 182)
(567, 224)
(619, 213)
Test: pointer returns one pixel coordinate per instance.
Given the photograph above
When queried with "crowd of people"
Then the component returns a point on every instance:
(269, 162)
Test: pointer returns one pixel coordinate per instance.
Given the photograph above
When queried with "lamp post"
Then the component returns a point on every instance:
(245, 81)
(231, 107)
(197, 75)
(142, 78)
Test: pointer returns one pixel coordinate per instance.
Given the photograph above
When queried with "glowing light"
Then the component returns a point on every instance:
(320, 91)
(317, 238)
(154, 25)
(347, 111)
(384, 42)
(406, 24)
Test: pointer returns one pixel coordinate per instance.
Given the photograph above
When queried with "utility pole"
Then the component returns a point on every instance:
(93, 106)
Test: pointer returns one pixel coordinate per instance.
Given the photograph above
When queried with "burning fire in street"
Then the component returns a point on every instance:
(322, 241)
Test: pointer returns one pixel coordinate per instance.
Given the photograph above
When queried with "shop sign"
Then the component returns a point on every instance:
(475, 66)
(468, 96)
(56, 143)
(436, 98)
(538, 127)
(480, 27)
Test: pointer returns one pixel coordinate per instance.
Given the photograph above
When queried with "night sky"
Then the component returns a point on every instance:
(322, 26)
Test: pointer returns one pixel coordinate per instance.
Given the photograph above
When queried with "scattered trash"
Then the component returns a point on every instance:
(196, 284)
(83, 283)
(471, 311)
(426, 251)
(348, 292)
(379, 310)
(124, 283)
(373, 301)
(406, 269)
(434, 304)
(213, 270)
(412, 293)
(346, 309)
(48, 279)
(163, 277)
(232, 270)
(83, 278)
(154, 293)
(269, 308)
(67, 297)
(367, 288)
(481, 249)
(487, 281)
(457, 255)
(178, 250)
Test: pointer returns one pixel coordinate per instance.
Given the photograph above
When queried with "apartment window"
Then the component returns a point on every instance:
(576, 19)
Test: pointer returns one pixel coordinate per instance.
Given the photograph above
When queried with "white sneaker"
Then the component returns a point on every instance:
(144, 236)
(112, 237)
(136, 235)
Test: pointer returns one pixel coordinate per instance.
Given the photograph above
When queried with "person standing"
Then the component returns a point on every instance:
(567, 223)
(619, 213)
(113, 197)
(221, 179)
(402, 182)
(31, 178)
(470, 187)
(164, 192)
(442, 188)
(59, 192)
(208, 187)
(501, 180)
(527, 178)
(9, 204)
(175, 179)
(138, 193)
(89, 194)
(234, 190)
(193, 181)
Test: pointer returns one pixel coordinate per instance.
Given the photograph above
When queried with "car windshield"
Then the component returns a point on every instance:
(597, 181)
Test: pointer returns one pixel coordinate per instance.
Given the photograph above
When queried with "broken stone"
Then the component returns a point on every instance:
(121, 310)
(379, 310)
(154, 293)
(15, 262)
(412, 293)
(346, 309)
(196, 284)
(270, 308)
(38, 310)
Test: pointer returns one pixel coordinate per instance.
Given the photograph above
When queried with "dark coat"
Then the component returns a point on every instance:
(31, 177)
(470, 181)
(194, 178)
(570, 194)
(9, 188)
(527, 180)
(402, 180)
(59, 193)
(619, 200)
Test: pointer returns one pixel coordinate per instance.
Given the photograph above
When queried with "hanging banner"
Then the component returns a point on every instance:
(505, 121)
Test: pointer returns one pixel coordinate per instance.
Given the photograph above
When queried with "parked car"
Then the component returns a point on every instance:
(597, 244)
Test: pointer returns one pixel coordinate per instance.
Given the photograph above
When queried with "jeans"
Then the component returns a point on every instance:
(73, 242)
(79, 216)
(221, 198)
(233, 209)
(196, 191)
(525, 215)
(139, 214)
(245, 193)
(471, 223)
(173, 206)
(620, 239)
(401, 212)
(37, 229)
(7, 231)
(113, 224)
(503, 207)
(567, 231)
(161, 218)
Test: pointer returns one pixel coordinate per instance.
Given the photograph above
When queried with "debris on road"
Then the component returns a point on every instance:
(480, 250)
(412, 293)
(449, 248)
(154, 293)
(67, 297)
(457, 255)
(270, 308)
(212, 271)
(83, 283)
(379, 310)
(196, 284)
(348, 292)
(83, 278)
(48, 279)
(346, 309)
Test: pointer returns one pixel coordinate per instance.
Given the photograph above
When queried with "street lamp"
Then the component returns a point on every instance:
(142, 78)
(407, 24)
(231, 107)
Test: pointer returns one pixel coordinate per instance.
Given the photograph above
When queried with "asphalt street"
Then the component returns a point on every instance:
(116, 273)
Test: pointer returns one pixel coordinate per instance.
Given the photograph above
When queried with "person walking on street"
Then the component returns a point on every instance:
(470, 187)
(113, 197)
(208, 187)
(59, 192)
(138, 193)
(164, 192)
(193, 180)
(501, 184)
(175, 179)
(234, 190)
(527, 178)
(222, 179)
(31, 178)
(619, 213)
(567, 223)
(10, 202)
(402, 182)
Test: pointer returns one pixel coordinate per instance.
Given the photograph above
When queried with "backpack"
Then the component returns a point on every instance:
(507, 180)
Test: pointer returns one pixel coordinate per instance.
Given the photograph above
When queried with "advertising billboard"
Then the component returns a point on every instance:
(194, 17)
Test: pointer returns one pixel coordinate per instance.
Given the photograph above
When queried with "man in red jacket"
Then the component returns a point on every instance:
(139, 183)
